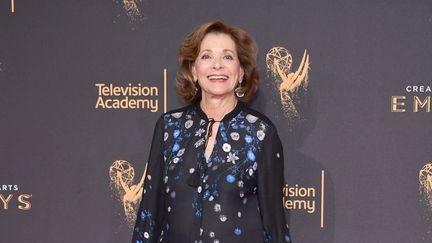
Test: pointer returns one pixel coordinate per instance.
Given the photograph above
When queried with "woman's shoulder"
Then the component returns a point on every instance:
(178, 110)
(254, 116)
(176, 113)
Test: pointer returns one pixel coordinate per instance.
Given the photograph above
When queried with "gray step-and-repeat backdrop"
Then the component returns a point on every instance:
(83, 82)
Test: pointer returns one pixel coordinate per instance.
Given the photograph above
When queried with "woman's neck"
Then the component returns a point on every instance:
(217, 108)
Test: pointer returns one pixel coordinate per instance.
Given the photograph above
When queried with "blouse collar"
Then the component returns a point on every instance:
(230, 115)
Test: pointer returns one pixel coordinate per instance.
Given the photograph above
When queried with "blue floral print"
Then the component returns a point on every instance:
(234, 196)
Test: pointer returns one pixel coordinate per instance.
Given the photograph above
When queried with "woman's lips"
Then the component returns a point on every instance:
(217, 78)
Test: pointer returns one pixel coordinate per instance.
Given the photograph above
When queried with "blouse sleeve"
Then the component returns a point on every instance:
(149, 220)
(270, 184)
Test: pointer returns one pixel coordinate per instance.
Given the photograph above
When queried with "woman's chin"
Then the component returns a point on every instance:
(219, 93)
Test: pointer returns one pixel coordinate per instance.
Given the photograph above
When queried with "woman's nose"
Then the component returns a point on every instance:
(217, 64)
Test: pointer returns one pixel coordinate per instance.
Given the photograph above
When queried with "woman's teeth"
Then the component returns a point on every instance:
(217, 77)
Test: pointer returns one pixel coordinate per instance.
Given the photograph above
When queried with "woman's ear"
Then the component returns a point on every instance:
(193, 70)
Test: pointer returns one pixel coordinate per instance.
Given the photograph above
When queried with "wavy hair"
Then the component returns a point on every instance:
(190, 47)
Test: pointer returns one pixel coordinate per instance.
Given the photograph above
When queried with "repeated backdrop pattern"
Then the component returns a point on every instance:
(347, 83)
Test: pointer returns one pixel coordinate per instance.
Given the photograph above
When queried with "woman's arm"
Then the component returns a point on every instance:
(270, 184)
(149, 220)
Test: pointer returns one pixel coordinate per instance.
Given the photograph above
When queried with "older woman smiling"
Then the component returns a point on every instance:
(215, 172)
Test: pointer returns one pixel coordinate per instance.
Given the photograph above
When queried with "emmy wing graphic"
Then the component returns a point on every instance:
(132, 9)
(279, 61)
(121, 175)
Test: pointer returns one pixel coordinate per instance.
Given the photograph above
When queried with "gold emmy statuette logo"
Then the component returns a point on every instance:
(279, 61)
(425, 183)
(121, 175)
(132, 9)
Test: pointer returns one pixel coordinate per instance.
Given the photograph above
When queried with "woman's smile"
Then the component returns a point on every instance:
(217, 67)
(217, 77)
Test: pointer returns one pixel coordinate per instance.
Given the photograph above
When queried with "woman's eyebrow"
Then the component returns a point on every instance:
(224, 50)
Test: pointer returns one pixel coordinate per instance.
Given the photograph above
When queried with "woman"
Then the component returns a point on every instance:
(215, 172)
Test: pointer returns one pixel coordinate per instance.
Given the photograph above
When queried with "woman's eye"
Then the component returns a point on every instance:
(229, 57)
(205, 56)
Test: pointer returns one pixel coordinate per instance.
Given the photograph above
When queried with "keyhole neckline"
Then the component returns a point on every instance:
(227, 116)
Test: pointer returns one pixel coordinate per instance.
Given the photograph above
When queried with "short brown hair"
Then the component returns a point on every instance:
(189, 50)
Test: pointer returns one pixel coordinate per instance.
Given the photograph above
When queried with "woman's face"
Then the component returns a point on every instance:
(217, 67)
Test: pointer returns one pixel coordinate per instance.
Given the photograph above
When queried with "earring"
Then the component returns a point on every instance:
(238, 91)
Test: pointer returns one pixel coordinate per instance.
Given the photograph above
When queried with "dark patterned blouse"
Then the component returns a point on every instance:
(235, 196)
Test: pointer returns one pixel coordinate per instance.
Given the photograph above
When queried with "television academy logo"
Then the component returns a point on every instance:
(111, 96)
(299, 198)
(306, 199)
